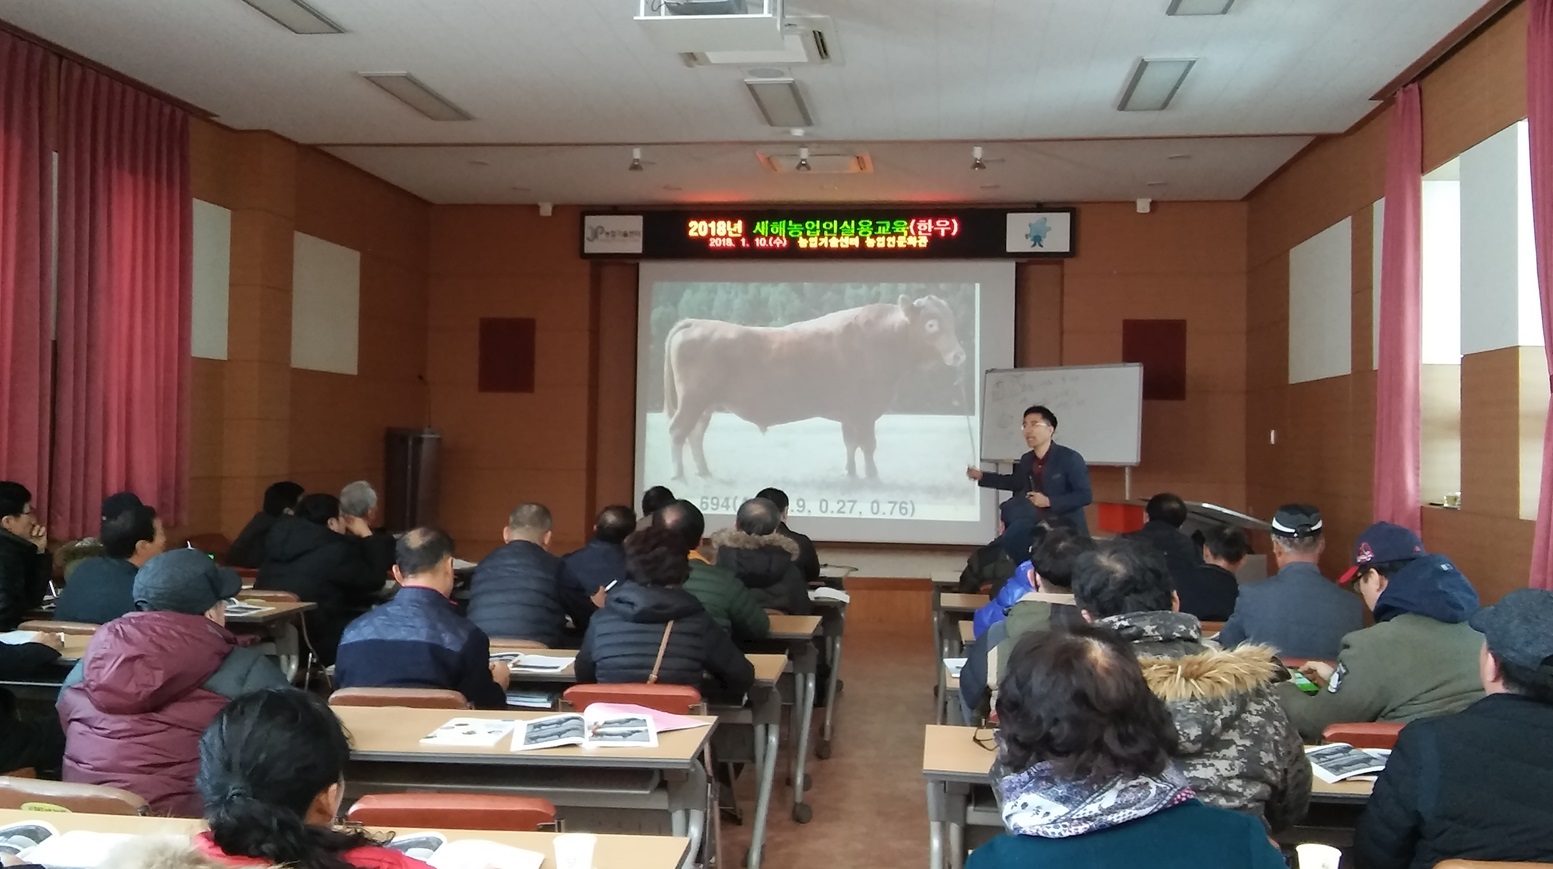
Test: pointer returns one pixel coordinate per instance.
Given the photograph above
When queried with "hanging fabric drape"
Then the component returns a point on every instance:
(25, 247)
(125, 289)
(1398, 397)
(1539, 117)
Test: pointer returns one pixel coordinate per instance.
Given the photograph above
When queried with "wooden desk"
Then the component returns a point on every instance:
(957, 602)
(612, 852)
(276, 611)
(944, 579)
(954, 764)
(967, 633)
(799, 633)
(279, 623)
(601, 787)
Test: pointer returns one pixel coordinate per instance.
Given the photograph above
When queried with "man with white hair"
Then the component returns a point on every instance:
(359, 513)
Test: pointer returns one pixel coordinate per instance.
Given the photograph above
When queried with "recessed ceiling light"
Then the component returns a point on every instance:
(296, 16)
(1199, 7)
(1153, 84)
(780, 102)
(766, 72)
(1179, 157)
(798, 131)
(409, 90)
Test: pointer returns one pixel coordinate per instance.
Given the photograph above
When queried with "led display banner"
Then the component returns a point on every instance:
(756, 233)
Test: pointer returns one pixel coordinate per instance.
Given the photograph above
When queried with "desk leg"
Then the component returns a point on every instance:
(822, 751)
(801, 810)
(942, 695)
(768, 759)
(935, 825)
(956, 846)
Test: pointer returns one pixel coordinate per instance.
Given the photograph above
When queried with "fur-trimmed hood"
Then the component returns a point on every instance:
(1210, 692)
(733, 538)
(161, 852)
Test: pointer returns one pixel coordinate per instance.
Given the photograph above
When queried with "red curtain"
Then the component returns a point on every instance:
(24, 265)
(1398, 395)
(125, 289)
(1539, 127)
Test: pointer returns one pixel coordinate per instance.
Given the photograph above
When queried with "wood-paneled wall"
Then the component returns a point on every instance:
(255, 419)
(1324, 452)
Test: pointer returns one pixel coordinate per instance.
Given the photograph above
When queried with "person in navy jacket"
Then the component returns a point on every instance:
(1052, 477)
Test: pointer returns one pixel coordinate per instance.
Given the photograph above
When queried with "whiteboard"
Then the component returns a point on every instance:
(1099, 410)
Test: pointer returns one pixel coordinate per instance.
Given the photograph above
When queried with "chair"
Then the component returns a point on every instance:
(78, 629)
(249, 575)
(674, 699)
(1212, 628)
(214, 543)
(413, 698)
(1487, 864)
(272, 596)
(454, 811)
(37, 795)
(508, 644)
(1364, 734)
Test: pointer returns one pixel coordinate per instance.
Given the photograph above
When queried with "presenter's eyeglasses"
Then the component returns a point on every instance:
(1040, 423)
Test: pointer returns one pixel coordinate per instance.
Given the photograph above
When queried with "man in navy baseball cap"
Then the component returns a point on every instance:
(1472, 785)
(1418, 660)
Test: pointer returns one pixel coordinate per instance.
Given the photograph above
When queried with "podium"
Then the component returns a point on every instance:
(1124, 518)
(412, 465)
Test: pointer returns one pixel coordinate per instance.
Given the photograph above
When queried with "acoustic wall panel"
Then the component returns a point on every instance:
(1160, 346)
(212, 280)
(325, 305)
(1320, 304)
(507, 354)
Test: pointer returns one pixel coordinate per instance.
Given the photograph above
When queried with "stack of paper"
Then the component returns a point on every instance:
(828, 593)
(954, 666)
(471, 732)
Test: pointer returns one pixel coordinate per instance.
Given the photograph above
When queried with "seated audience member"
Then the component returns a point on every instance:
(417, 639)
(36, 743)
(601, 560)
(652, 630)
(150, 682)
(358, 510)
(765, 561)
(101, 589)
(1210, 591)
(808, 558)
(1048, 606)
(1298, 612)
(653, 500)
(1474, 785)
(72, 553)
(722, 595)
(321, 558)
(272, 778)
(1166, 514)
(1049, 565)
(519, 591)
(25, 567)
(1236, 745)
(1419, 659)
(249, 549)
(1083, 773)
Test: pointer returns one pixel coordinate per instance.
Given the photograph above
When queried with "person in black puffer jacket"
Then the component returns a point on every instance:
(523, 592)
(652, 630)
(323, 558)
(765, 561)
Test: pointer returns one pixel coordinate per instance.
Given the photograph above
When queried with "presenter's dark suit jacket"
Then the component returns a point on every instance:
(1065, 480)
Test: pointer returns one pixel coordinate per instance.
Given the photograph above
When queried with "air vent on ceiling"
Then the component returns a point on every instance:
(820, 162)
(805, 39)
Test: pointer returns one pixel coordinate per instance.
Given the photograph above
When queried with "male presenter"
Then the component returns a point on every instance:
(1051, 477)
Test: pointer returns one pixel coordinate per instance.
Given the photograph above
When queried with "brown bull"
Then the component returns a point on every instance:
(843, 366)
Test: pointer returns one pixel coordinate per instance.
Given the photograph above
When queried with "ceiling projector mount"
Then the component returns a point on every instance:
(695, 26)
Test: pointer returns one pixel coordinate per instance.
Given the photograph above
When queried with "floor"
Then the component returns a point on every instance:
(869, 808)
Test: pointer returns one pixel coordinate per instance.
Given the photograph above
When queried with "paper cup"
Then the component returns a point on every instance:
(575, 851)
(1311, 856)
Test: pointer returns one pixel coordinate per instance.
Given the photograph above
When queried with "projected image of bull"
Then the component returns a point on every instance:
(852, 366)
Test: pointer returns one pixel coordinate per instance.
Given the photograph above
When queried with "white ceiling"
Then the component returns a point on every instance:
(920, 81)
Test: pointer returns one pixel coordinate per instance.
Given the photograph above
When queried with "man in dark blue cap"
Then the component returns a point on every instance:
(1419, 659)
(1298, 612)
(1475, 785)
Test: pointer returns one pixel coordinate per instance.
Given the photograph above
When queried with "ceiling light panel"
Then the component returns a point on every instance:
(779, 102)
(1199, 7)
(409, 90)
(296, 16)
(1153, 84)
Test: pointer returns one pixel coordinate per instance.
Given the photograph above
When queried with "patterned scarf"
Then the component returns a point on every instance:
(1038, 803)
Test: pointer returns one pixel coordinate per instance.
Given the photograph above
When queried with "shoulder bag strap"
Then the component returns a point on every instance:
(663, 645)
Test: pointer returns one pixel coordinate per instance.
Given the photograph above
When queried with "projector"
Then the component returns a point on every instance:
(705, 7)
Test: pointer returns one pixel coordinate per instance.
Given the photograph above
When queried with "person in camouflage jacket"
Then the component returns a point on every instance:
(1237, 745)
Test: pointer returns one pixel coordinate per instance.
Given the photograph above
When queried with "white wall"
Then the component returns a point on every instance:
(325, 305)
(212, 280)
(1320, 304)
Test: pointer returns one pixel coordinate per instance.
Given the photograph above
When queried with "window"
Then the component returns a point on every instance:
(1440, 379)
